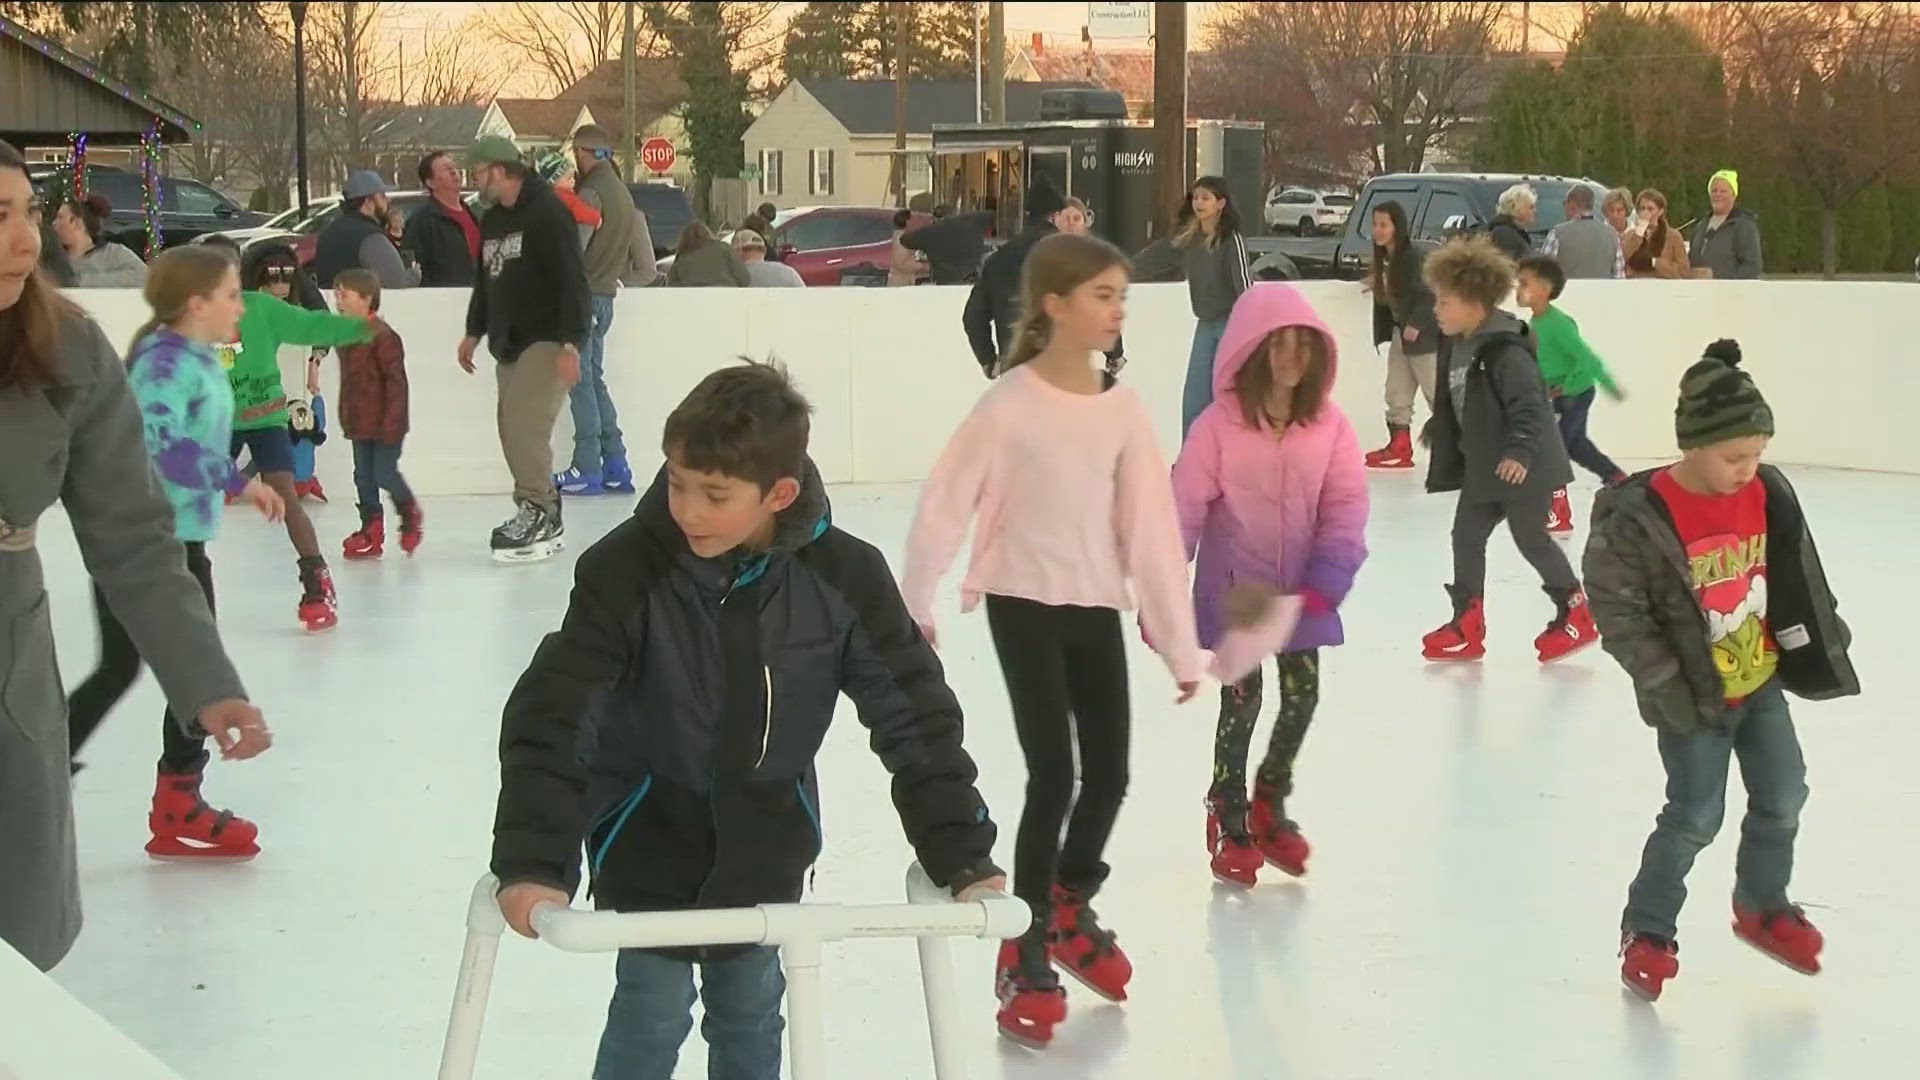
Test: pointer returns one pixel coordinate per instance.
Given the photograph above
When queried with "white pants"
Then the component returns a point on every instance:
(1404, 374)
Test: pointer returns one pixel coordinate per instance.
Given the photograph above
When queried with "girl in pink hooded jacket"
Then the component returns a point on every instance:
(1272, 492)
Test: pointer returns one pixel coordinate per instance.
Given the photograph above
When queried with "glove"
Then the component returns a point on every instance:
(1312, 603)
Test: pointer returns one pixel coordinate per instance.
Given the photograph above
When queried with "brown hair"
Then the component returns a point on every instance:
(695, 235)
(176, 276)
(1471, 268)
(30, 329)
(1653, 196)
(1057, 265)
(360, 280)
(746, 421)
(1254, 381)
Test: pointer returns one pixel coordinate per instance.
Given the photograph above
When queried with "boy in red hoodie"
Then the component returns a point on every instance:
(373, 415)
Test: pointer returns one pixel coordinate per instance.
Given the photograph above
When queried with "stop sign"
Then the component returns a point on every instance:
(657, 154)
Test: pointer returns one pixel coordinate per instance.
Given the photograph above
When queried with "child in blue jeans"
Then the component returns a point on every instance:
(707, 641)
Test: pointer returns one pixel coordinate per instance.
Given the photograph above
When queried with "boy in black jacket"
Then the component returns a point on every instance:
(708, 640)
(1709, 592)
(1496, 441)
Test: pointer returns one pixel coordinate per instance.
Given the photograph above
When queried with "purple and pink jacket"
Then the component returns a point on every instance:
(1287, 514)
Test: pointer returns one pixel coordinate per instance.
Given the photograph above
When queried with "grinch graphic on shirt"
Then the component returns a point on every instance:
(1729, 575)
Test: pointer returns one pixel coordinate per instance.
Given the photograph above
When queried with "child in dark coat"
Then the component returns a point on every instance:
(373, 414)
(1495, 441)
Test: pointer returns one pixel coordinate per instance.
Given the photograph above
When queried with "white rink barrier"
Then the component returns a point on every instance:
(890, 374)
(47, 1035)
(931, 916)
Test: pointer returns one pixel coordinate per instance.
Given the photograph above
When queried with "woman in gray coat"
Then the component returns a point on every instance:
(69, 430)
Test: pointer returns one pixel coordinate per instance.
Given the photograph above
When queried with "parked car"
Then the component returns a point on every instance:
(1441, 205)
(1305, 211)
(822, 241)
(188, 208)
(668, 213)
(303, 234)
(285, 223)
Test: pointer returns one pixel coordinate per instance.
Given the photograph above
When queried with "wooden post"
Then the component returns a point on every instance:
(1169, 112)
(996, 62)
(626, 95)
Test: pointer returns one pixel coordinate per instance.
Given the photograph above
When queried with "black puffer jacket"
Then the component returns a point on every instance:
(994, 304)
(1509, 237)
(710, 684)
(1507, 415)
(1641, 592)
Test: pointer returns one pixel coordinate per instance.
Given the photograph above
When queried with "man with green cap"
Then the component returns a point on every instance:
(1704, 581)
(530, 302)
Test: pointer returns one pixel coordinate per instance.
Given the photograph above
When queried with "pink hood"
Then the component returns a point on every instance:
(1261, 310)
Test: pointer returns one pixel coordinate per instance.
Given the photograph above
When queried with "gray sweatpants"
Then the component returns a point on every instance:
(1525, 513)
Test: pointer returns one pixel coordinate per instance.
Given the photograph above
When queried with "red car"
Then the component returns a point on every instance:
(821, 241)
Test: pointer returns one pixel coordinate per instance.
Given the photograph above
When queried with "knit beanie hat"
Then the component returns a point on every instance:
(1718, 401)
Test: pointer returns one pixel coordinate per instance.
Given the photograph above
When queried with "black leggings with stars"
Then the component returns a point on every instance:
(1240, 710)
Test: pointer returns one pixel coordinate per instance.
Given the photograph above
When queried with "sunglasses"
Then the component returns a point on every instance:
(278, 273)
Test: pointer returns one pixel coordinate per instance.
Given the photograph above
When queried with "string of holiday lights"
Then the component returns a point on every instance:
(81, 64)
(150, 183)
(77, 161)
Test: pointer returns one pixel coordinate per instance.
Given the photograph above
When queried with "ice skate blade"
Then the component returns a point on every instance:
(1575, 651)
(1030, 1041)
(533, 553)
(178, 851)
(1641, 992)
(320, 626)
(1777, 958)
(1290, 871)
(1454, 658)
(1065, 968)
(1238, 883)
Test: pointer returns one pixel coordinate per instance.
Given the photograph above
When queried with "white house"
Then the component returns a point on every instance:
(829, 142)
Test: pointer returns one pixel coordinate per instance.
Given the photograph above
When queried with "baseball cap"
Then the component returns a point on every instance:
(747, 238)
(362, 184)
(493, 150)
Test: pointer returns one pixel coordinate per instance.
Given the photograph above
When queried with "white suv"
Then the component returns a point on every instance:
(1304, 211)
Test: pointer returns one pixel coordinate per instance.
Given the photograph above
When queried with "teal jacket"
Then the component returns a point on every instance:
(186, 412)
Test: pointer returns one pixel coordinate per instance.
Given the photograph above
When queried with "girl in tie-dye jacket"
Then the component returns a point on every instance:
(1272, 494)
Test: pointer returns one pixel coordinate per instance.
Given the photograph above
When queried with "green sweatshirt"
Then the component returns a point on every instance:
(1567, 364)
(253, 362)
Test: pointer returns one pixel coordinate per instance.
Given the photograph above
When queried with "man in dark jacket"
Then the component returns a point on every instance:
(358, 237)
(443, 235)
(994, 304)
(708, 640)
(530, 302)
(1496, 441)
(953, 244)
(1708, 591)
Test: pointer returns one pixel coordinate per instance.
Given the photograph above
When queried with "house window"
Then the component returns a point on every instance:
(772, 165)
(919, 173)
(819, 172)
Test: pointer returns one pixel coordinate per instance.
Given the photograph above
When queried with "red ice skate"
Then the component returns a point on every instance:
(1278, 839)
(1084, 949)
(1648, 962)
(319, 609)
(1560, 514)
(370, 541)
(1570, 631)
(185, 827)
(1786, 936)
(1462, 638)
(1397, 454)
(412, 526)
(1031, 1000)
(310, 489)
(1235, 860)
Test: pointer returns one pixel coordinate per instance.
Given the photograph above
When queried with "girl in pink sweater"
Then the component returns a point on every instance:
(1073, 516)
(1272, 491)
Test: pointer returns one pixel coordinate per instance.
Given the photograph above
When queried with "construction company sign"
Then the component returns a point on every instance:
(1119, 20)
(1133, 162)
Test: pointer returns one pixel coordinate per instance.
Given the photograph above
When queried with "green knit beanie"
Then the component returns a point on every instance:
(1718, 401)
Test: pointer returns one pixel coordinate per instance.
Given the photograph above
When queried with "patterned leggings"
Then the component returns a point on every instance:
(1240, 710)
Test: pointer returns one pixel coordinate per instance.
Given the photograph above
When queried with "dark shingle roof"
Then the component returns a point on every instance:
(865, 106)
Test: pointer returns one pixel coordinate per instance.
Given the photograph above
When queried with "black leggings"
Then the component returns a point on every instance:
(1240, 711)
(120, 665)
(1066, 672)
(1525, 513)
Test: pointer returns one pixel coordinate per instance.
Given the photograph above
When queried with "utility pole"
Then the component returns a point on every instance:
(299, 12)
(979, 78)
(1169, 111)
(899, 174)
(997, 62)
(626, 96)
(1526, 30)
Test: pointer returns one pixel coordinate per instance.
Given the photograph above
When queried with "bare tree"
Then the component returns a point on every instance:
(564, 42)
(445, 76)
(1408, 72)
(352, 84)
(1843, 113)
(246, 136)
(1235, 78)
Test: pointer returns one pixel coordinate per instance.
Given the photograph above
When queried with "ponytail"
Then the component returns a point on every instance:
(1056, 266)
(176, 276)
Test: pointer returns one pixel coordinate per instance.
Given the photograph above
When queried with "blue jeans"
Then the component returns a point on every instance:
(376, 466)
(1572, 411)
(596, 424)
(1762, 737)
(1198, 392)
(651, 1014)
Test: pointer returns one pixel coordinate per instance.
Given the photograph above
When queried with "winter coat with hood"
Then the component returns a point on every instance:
(707, 686)
(1641, 591)
(1287, 514)
(1502, 412)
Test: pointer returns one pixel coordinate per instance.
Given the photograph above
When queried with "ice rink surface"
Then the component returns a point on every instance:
(1474, 829)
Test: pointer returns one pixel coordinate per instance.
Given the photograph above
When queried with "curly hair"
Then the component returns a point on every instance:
(1471, 268)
